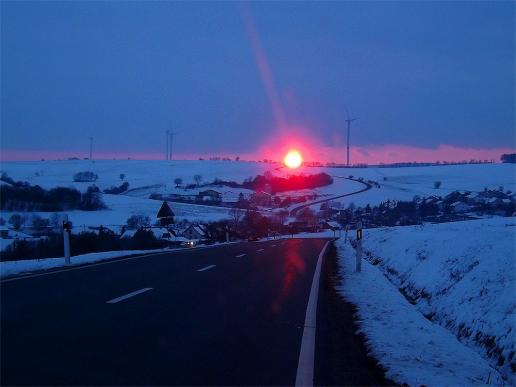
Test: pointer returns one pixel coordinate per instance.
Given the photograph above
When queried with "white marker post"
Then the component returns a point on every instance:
(358, 266)
(66, 241)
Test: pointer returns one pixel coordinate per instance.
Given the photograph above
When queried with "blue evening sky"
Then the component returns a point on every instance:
(416, 73)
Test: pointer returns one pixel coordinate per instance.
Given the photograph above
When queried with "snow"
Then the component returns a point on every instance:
(461, 275)
(412, 349)
(8, 268)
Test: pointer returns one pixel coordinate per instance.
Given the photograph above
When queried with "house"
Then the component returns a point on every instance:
(262, 198)
(460, 207)
(4, 232)
(195, 231)
(209, 195)
(330, 225)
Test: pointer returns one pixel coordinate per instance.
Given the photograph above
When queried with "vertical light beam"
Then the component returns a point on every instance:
(263, 67)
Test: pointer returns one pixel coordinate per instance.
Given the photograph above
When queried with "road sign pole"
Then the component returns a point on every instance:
(66, 241)
(358, 264)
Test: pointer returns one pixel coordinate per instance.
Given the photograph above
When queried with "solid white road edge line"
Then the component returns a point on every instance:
(129, 295)
(240, 256)
(305, 365)
(207, 268)
(260, 250)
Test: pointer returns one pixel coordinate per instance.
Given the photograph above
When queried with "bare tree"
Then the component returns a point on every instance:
(236, 215)
(178, 181)
(197, 179)
(282, 215)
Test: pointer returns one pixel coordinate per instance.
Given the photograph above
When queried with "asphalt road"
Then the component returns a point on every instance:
(230, 315)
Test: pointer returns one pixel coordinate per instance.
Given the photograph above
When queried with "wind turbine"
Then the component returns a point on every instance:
(167, 148)
(171, 134)
(348, 121)
(91, 148)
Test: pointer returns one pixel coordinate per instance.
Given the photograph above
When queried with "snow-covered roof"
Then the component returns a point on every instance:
(128, 233)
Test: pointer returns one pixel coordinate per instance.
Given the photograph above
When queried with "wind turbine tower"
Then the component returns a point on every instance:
(167, 148)
(91, 148)
(171, 134)
(349, 121)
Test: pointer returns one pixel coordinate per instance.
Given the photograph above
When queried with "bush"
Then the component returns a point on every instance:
(437, 184)
(39, 223)
(16, 221)
(138, 221)
(86, 176)
(24, 197)
(92, 200)
(117, 190)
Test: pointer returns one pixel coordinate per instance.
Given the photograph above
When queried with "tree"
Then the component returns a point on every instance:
(122, 176)
(306, 215)
(178, 181)
(282, 216)
(138, 221)
(16, 221)
(2, 221)
(92, 199)
(508, 158)
(56, 220)
(197, 179)
(38, 222)
(236, 215)
(437, 184)
(86, 176)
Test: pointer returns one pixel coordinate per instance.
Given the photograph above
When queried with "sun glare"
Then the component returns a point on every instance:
(293, 159)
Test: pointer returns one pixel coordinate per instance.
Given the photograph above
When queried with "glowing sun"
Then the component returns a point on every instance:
(293, 159)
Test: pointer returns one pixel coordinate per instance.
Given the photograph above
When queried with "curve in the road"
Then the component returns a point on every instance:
(368, 186)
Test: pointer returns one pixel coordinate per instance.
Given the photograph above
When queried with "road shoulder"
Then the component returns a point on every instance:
(341, 354)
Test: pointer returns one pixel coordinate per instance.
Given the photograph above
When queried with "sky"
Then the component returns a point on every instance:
(428, 80)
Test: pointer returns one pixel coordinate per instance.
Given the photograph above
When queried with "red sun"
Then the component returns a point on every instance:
(293, 159)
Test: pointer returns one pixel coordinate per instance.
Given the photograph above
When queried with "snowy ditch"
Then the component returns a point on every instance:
(424, 287)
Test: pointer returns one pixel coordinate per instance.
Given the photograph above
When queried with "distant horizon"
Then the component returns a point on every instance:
(391, 154)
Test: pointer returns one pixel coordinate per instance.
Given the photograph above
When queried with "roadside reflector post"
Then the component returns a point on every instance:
(66, 240)
(358, 265)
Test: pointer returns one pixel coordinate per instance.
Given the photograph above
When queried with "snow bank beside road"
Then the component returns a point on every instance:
(8, 268)
(461, 275)
(411, 348)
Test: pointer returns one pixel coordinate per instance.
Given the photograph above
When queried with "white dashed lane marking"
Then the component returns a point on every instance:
(129, 295)
(207, 268)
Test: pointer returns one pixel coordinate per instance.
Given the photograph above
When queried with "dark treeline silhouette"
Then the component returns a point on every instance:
(274, 184)
(83, 243)
(21, 196)
(117, 190)
(508, 158)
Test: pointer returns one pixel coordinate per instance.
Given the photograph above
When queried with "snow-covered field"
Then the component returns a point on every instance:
(146, 177)
(461, 276)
